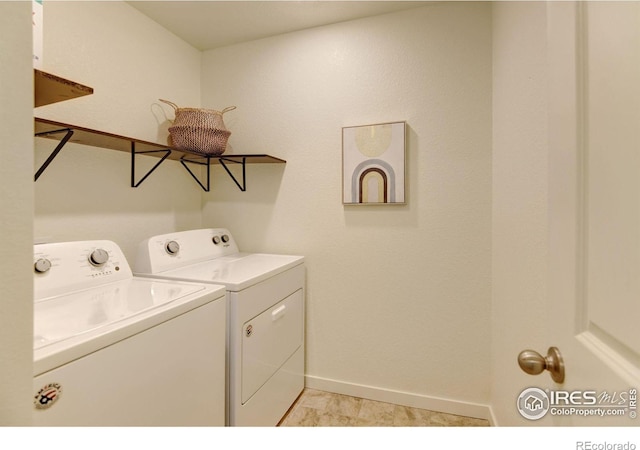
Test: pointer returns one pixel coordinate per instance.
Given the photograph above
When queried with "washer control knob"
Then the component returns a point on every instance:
(172, 247)
(216, 240)
(42, 265)
(225, 238)
(98, 257)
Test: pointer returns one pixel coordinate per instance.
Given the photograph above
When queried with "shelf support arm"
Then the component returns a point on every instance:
(243, 186)
(242, 183)
(55, 152)
(135, 184)
(184, 160)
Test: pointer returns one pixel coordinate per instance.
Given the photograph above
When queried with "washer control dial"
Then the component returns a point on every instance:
(99, 257)
(216, 240)
(42, 265)
(225, 238)
(172, 247)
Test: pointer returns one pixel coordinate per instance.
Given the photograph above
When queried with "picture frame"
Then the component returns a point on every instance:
(374, 164)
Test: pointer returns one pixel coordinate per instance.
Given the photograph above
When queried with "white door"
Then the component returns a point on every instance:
(594, 211)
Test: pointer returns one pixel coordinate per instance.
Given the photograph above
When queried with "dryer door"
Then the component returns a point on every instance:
(268, 340)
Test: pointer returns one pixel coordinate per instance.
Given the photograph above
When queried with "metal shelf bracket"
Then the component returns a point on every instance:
(54, 153)
(135, 184)
(184, 159)
(242, 185)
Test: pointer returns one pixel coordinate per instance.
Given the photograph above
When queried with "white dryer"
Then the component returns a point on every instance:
(112, 349)
(265, 294)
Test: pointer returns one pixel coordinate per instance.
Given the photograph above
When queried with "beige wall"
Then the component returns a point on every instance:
(131, 62)
(520, 211)
(398, 299)
(16, 201)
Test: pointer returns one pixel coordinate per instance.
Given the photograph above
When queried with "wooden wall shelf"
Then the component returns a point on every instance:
(64, 133)
(50, 88)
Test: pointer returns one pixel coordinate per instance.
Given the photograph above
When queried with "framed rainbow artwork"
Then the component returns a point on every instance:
(373, 164)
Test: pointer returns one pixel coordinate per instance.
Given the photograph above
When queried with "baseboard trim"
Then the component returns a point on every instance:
(475, 410)
(492, 418)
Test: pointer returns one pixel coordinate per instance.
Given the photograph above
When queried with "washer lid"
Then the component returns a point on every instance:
(236, 272)
(69, 326)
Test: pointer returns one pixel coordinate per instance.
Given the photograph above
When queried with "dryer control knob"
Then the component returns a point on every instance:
(42, 265)
(216, 240)
(98, 257)
(172, 247)
(225, 238)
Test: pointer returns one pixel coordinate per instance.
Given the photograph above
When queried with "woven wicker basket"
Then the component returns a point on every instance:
(199, 130)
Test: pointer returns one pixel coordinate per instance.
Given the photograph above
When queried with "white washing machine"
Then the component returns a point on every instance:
(112, 349)
(265, 294)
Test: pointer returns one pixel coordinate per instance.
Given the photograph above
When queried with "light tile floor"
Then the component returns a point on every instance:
(317, 408)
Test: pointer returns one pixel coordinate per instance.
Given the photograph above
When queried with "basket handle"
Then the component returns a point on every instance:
(175, 107)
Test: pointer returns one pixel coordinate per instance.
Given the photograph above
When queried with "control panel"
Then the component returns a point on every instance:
(65, 267)
(175, 250)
